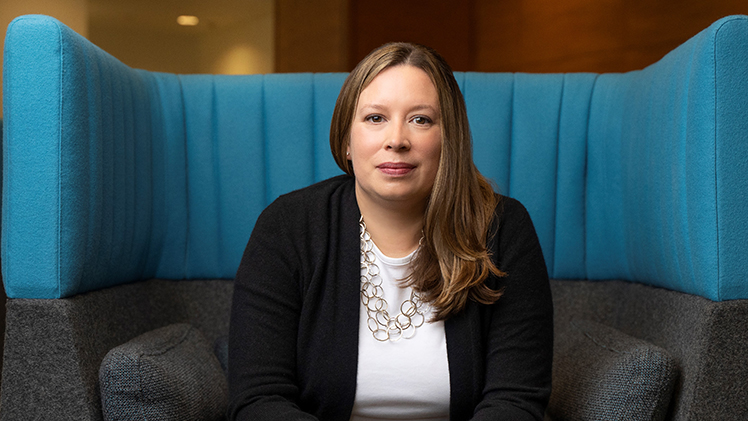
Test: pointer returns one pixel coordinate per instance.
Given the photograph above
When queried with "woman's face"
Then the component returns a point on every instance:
(396, 138)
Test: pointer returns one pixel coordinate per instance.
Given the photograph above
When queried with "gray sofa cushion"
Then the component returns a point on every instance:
(221, 349)
(600, 373)
(168, 373)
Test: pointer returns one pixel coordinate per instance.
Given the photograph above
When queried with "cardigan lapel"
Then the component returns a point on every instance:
(348, 274)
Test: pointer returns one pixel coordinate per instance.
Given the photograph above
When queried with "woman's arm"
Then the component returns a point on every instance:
(264, 325)
(519, 346)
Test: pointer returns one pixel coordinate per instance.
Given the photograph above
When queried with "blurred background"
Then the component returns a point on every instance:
(265, 36)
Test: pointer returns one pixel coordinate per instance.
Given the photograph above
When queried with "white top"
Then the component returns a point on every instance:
(407, 379)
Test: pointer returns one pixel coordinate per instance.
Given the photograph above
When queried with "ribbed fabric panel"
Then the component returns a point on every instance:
(289, 132)
(169, 183)
(326, 89)
(74, 222)
(203, 184)
(488, 98)
(226, 170)
(260, 136)
(530, 135)
(240, 168)
(570, 216)
(653, 184)
(658, 230)
(105, 171)
(604, 200)
(536, 109)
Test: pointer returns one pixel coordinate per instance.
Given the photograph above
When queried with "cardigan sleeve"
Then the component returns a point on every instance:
(519, 337)
(264, 324)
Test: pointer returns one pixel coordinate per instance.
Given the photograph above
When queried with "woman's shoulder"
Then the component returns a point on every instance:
(515, 243)
(313, 204)
(316, 194)
(306, 217)
(512, 221)
(509, 208)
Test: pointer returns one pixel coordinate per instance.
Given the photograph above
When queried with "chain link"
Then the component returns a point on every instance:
(380, 323)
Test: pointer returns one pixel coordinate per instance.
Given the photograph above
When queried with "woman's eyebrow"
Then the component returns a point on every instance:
(424, 107)
(419, 107)
(372, 106)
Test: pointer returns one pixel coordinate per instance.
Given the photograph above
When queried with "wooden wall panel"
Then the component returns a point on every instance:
(444, 25)
(311, 36)
(494, 35)
(587, 35)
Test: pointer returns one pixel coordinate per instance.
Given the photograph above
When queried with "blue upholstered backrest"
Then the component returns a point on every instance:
(114, 175)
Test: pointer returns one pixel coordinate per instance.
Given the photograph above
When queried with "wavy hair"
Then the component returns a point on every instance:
(453, 262)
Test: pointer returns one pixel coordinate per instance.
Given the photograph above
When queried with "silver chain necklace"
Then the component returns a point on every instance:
(382, 326)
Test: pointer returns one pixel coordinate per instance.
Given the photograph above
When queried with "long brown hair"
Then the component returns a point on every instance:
(453, 262)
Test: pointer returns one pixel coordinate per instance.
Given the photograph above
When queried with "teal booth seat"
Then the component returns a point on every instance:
(114, 176)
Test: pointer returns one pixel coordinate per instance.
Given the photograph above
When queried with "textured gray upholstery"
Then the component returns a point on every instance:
(54, 348)
(707, 339)
(221, 349)
(602, 374)
(169, 373)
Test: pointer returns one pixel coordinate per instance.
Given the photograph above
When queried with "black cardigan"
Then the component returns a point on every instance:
(293, 344)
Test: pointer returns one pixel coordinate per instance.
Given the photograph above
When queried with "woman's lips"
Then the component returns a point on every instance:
(396, 168)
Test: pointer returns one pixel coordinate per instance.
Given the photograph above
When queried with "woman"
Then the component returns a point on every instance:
(405, 289)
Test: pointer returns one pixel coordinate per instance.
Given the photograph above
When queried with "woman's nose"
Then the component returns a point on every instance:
(398, 138)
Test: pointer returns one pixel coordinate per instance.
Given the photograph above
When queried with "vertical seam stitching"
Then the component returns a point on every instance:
(586, 181)
(264, 145)
(585, 188)
(511, 136)
(555, 190)
(314, 129)
(216, 150)
(185, 268)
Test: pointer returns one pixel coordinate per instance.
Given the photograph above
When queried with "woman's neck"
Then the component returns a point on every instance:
(395, 231)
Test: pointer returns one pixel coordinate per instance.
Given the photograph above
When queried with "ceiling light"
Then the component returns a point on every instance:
(188, 20)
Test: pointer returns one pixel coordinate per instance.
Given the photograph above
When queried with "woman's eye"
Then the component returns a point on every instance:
(374, 118)
(421, 120)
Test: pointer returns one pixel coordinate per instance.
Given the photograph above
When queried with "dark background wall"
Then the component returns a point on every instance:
(539, 36)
